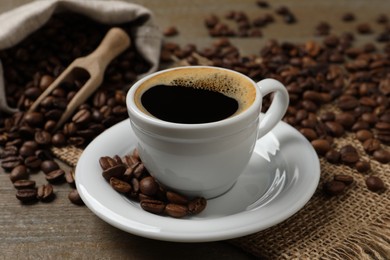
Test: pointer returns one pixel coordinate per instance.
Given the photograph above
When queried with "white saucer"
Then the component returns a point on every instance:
(281, 177)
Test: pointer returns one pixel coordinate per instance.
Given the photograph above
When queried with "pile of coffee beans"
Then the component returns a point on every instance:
(336, 89)
(129, 177)
(30, 67)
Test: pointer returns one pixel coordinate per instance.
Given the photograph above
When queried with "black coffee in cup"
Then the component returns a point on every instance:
(188, 105)
(207, 96)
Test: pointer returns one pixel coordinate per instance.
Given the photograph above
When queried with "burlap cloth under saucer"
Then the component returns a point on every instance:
(355, 225)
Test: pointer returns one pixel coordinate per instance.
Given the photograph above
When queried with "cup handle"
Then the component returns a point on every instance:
(278, 106)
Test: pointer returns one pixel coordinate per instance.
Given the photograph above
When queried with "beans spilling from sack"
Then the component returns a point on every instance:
(30, 67)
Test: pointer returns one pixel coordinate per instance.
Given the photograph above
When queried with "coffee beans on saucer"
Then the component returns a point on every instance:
(129, 177)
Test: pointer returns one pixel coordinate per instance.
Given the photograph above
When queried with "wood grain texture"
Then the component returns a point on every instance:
(65, 231)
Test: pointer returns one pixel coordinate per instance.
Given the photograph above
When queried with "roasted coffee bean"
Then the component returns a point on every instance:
(382, 19)
(349, 154)
(384, 137)
(31, 144)
(197, 205)
(362, 166)
(116, 171)
(117, 159)
(47, 102)
(55, 176)
(334, 188)
(42, 138)
(135, 184)
(371, 145)
(313, 96)
(382, 156)
(49, 166)
(385, 117)
(82, 117)
(153, 206)
(26, 132)
(334, 128)
(11, 162)
(364, 28)
(139, 170)
(142, 197)
(128, 175)
(27, 195)
(382, 126)
(360, 125)
(170, 31)
(106, 162)
(136, 154)
(33, 92)
(45, 81)
(33, 162)
(327, 116)
(262, 3)
(345, 119)
(58, 92)
(58, 139)
(176, 210)
(24, 184)
(9, 151)
(333, 156)
(346, 179)
(14, 143)
(322, 28)
(309, 133)
(76, 141)
(347, 102)
(309, 105)
(374, 183)
(70, 178)
(176, 198)
(321, 146)
(119, 185)
(70, 129)
(148, 186)
(100, 99)
(309, 123)
(26, 150)
(34, 119)
(370, 118)
(19, 173)
(45, 193)
(75, 198)
(131, 161)
(44, 155)
(348, 17)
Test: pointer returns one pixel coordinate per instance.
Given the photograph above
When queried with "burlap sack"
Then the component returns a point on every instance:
(18, 23)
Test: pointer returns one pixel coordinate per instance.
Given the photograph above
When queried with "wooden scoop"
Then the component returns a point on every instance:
(93, 66)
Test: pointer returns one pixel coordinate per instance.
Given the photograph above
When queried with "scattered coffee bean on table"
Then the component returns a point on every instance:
(374, 183)
(129, 177)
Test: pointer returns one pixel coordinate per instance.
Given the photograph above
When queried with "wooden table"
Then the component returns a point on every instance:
(63, 230)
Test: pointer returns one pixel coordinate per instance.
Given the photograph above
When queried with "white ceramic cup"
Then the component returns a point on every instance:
(204, 159)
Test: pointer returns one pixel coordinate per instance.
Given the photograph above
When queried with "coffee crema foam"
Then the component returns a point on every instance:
(230, 84)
